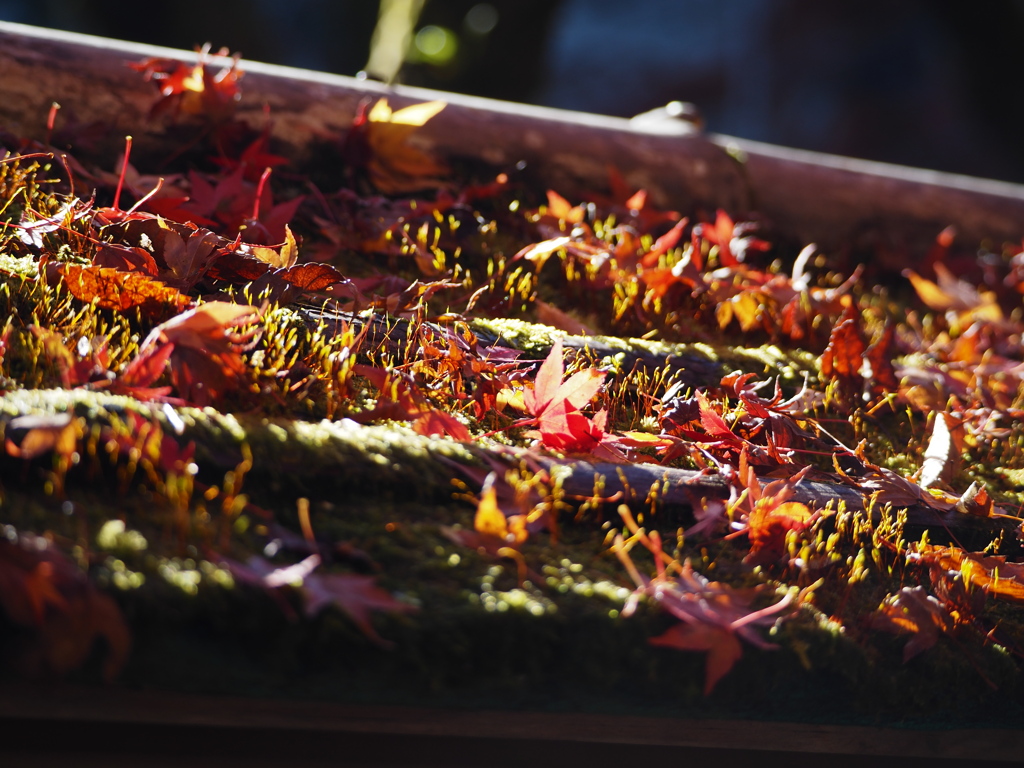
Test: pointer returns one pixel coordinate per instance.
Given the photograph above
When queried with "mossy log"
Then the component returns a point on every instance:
(695, 365)
(348, 460)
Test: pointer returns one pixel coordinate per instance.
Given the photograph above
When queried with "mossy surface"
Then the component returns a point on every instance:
(343, 478)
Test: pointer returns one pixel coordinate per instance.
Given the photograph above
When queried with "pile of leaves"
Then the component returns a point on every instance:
(161, 331)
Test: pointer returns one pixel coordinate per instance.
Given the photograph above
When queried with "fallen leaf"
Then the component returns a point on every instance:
(435, 422)
(722, 647)
(913, 611)
(46, 593)
(395, 163)
(943, 452)
(28, 437)
(120, 291)
(555, 404)
(205, 353)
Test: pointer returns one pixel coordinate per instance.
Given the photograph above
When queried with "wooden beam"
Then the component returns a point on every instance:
(834, 201)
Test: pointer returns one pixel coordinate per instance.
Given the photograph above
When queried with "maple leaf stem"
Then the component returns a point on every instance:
(67, 170)
(259, 193)
(32, 156)
(124, 168)
(51, 118)
(525, 422)
(147, 196)
(766, 611)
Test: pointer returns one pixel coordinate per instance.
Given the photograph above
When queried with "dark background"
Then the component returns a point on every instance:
(918, 82)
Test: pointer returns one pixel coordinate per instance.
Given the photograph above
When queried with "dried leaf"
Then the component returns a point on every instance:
(990, 573)
(844, 355)
(914, 611)
(113, 289)
(28, 437)
(396, 165)
(491, 521)
(46, 593)
(943, 453)
(356, 596)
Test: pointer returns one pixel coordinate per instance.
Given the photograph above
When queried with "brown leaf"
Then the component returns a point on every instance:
(913, 611)
(44, 592)
(844, 354)
(396, 164)
(879, 356)
(989, 573)
(311, 276)
(28, 437)
(126, 259)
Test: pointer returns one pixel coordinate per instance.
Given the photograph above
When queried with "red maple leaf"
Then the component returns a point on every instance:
(354, 595)
(46, 594)
(555, 405)
(203, 349)
(714, 616)
(193, 88)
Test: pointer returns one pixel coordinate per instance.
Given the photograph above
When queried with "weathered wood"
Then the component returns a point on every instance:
(114, 724)
(809, 196)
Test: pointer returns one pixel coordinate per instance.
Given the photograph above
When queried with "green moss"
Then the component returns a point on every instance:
(286, 454)
(536, 341)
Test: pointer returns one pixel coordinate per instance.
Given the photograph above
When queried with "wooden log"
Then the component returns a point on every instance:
(678, 491)
(809, 196)
(347, 460)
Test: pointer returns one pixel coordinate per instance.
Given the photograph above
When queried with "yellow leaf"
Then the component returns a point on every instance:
(930, 293)
(415, 115)
(491, 521)
(511, 397)
(397, 165)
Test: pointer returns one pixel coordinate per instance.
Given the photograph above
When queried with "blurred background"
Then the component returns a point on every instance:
(919, 82)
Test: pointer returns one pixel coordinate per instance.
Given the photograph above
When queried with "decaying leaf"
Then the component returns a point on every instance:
(28, 437)
(913, 611)
(394, 162)
(991, 574)
(714, 616)
(114, 289)
(48, 596)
